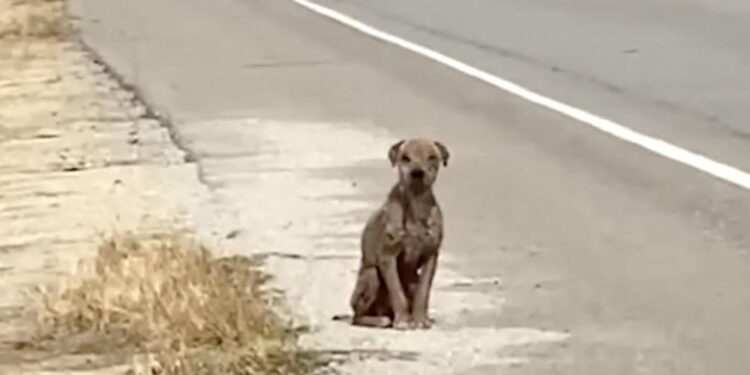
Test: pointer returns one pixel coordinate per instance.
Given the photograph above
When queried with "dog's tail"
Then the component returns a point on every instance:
(341, 317)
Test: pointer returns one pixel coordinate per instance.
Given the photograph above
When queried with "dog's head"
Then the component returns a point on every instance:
(418, 162)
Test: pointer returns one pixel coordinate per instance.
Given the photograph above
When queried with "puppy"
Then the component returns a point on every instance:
(400, 243)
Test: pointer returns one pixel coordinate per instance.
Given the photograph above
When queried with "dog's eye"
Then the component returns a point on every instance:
(405, 159)
(433, 158)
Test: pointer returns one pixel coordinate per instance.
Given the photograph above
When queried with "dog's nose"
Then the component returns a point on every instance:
(417, 174)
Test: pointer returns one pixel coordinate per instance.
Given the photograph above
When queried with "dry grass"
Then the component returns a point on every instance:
(171, 298)
(37, 19)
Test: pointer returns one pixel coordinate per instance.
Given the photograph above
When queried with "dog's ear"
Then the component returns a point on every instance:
(394, 151)
(444, 154)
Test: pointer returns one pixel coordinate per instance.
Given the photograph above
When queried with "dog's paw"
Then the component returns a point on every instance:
(382, 322)
(402, 324)
(422, 322)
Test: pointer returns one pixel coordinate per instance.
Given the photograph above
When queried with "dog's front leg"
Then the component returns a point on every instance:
(432, 238)
(388, 265)
(389, 269)
(420, 308)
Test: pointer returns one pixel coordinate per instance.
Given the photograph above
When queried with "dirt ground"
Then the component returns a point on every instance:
(79, 157)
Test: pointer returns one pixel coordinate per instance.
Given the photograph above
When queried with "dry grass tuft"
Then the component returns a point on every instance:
(171, 298)
(27, 19)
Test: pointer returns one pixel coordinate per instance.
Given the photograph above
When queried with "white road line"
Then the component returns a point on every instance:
(658, 146)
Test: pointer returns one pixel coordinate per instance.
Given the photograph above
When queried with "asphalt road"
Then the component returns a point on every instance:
(672, 69)
(642, 260)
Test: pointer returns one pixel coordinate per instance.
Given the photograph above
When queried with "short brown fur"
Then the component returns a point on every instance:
(401, 242)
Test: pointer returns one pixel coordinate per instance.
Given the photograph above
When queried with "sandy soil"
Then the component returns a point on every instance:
(78, 157)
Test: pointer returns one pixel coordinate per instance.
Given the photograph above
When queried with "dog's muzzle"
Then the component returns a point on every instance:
(417, 174)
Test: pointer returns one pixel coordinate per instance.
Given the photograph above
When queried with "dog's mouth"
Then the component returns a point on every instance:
(418, 185)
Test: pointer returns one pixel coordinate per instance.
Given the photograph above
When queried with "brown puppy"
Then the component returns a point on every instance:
(400, 243)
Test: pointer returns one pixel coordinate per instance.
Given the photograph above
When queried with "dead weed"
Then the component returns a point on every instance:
(170, 298)
(28, 19)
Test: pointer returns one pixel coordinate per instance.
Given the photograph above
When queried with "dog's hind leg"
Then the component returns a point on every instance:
(372, 321)
(367, 299)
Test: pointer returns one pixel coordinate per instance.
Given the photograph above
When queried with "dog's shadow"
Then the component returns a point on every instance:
(339, 356)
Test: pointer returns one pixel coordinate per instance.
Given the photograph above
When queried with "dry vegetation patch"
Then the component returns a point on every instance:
(169, 297)
(32, 19)
(165, 298)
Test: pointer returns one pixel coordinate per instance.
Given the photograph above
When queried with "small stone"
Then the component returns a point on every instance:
(47, 134)
(233, 234)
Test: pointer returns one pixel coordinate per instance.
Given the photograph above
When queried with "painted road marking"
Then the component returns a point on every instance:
(655, 145)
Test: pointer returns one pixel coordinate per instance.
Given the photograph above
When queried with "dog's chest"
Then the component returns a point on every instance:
(414, 248)
(417, 226)
(412, 253)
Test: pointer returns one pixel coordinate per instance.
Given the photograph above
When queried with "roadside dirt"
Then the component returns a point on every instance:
(79, 157)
